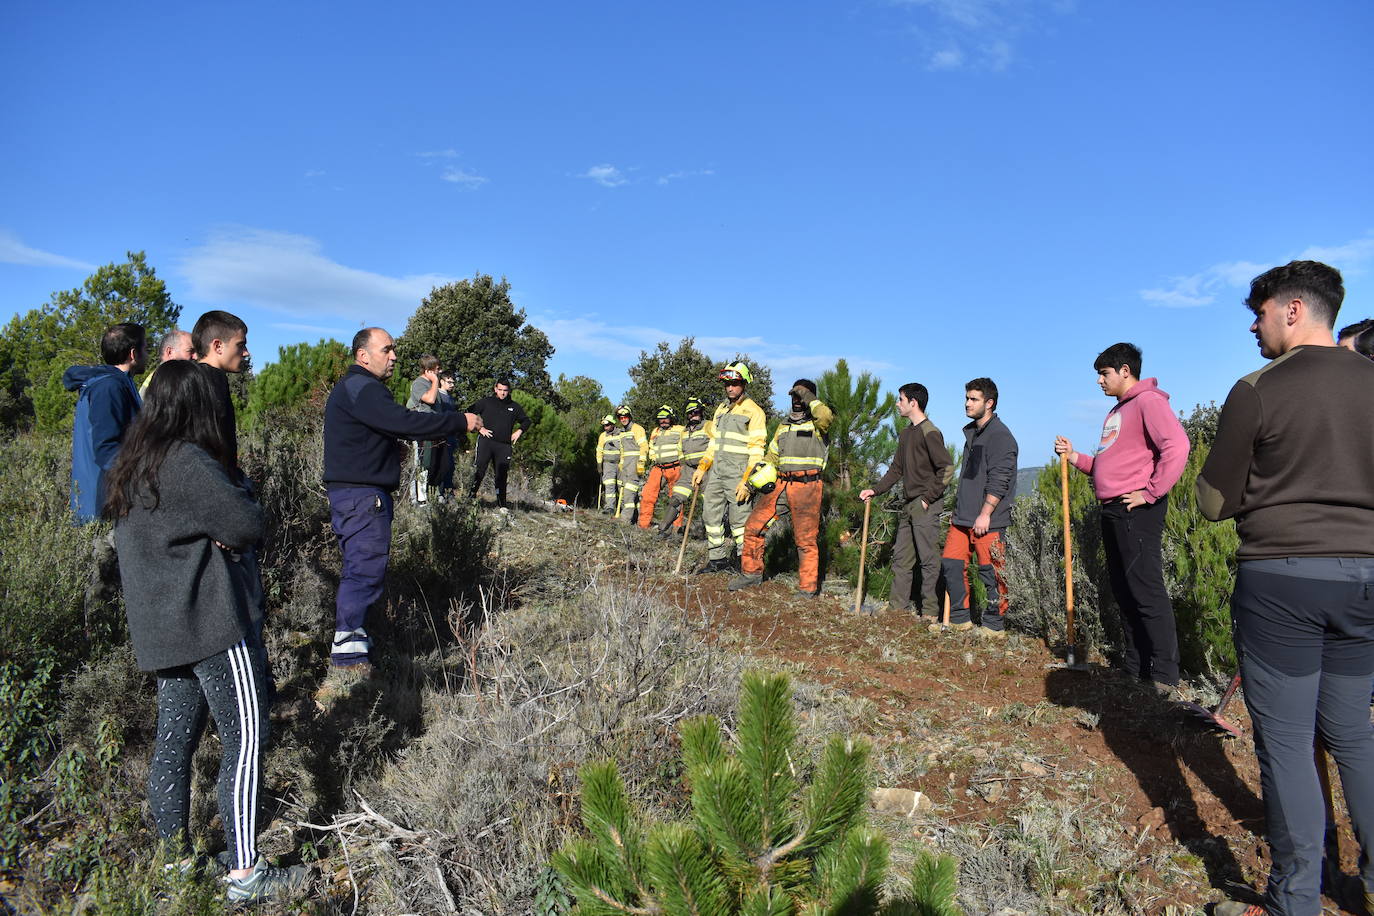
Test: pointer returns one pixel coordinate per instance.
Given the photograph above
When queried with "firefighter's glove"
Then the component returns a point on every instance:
(698, 476)
(639, 469)
(802, 393)
(742, 492)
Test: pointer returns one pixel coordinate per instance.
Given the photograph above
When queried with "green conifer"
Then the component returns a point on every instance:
(759, 843)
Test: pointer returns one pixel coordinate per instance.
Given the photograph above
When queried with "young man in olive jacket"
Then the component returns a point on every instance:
(924, 467)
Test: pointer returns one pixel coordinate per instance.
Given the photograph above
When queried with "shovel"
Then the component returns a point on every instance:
(1071, 661)
(686, 532)
(1213, 717)
(863, 554)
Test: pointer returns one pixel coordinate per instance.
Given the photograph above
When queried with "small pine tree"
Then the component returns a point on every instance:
(758, 842)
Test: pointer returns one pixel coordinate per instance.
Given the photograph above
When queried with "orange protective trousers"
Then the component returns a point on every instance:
(803, 504)
(991, 552)
(661, 480)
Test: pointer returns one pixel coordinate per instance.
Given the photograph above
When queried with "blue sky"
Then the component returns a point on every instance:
(933, 189)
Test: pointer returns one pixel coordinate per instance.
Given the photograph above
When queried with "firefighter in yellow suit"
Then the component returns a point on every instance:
(634, 454)
(696, 439)
(665, 464)
(608, 460)
(789, 487)
(739, 433)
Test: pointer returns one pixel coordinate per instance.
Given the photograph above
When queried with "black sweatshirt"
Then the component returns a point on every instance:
(500, 416)
(1293, 459)
(361, 425)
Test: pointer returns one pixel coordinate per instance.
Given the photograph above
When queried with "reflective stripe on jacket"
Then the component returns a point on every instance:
(801, 445)
(665, 445)
(607, 444)
(695, 441)
(739, 433)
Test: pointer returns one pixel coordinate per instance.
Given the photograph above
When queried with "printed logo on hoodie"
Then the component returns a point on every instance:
(1110, 430)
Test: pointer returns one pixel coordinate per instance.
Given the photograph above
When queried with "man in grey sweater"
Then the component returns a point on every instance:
(982, 512)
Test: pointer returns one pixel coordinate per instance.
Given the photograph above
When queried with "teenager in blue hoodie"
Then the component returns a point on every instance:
(107, 402)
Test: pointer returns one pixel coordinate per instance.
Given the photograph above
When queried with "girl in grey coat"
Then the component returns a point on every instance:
(180, 523)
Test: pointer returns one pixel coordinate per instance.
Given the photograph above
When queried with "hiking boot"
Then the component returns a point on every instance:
(1171, 693)
(665, 533)
(942, 627)
(989, 633)
(714, 566)
(341, 682)
(743, 580)
(807, 593)
(1236, 908)
(266, 882)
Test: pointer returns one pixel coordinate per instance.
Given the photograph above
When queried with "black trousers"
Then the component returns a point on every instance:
(489, 452)
(1135, 563)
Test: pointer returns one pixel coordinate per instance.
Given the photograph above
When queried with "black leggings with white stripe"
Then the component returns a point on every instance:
(231, 687)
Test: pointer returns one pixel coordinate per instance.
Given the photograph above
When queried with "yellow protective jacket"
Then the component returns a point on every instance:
(631, 440)
(665, 445)
(607, 444)
(801, 445)
(739, 433)
(695, 442)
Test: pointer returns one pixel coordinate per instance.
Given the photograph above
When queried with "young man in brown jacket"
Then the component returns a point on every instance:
(924, 467)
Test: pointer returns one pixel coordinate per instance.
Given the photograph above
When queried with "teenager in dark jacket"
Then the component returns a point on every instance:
(982, 512)
(106, 403)
(180, 525)
(362, 467)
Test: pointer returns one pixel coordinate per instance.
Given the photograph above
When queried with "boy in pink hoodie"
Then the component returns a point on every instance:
(1140, 457)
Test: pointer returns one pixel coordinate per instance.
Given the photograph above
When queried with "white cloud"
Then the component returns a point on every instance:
(14, 251)
(606, 175)
(977, 34)
(314, 173)
(1202, 288)
(689, 173)
(947, 59)
(449, 153)
(291, 274)
(470, 180)
(623, 343)
(1351, 258)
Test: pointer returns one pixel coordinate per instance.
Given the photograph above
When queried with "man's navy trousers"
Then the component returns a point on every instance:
(361, 518)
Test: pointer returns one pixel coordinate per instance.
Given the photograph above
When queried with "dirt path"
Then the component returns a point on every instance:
(992, 725)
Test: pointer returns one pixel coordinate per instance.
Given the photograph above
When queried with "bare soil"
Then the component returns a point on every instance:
(1184, 794)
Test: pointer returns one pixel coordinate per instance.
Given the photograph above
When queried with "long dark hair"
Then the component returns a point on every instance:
(180, 406)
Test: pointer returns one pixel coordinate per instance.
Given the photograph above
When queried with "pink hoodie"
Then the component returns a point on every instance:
(1143, 446)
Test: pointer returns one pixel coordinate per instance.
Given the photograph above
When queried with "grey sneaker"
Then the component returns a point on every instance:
(744, 581)
(1236, 908)
(266, 882)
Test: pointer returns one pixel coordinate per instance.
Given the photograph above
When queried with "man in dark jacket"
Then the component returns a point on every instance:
(362, 467)
(982, 511)
(500, 416)
(106, 404)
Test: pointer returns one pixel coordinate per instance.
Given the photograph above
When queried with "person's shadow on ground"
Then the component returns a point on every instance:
(1155, 739)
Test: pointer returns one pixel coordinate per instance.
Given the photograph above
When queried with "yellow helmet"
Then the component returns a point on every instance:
(764, 477)
(665, 412)
(736, 372)
(608, 420)
(622, 411)
(695, 404)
